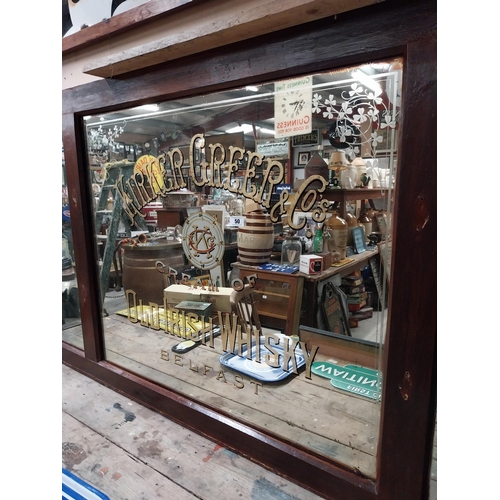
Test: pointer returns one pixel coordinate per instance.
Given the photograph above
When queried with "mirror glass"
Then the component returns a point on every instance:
(71, 321)
(244, 243)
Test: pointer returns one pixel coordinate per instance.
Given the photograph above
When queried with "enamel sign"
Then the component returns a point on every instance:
(351, 378)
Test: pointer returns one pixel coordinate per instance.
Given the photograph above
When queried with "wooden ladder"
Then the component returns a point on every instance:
(117, 215)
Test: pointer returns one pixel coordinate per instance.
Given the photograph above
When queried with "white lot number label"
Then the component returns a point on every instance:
(237, 220)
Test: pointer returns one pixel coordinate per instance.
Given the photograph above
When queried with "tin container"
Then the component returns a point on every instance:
(201, 309)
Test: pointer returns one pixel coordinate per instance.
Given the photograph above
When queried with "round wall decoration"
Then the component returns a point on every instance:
(203, 241)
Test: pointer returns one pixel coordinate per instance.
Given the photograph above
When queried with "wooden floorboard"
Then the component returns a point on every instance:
(130, 452)
(342, 418)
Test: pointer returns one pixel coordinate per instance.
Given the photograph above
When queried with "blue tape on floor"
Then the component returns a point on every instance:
(74, 488)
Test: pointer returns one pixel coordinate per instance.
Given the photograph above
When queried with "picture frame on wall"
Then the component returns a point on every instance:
(313, 138)
(358, 237)
(304, 157)
(217, 213)
(192, 210)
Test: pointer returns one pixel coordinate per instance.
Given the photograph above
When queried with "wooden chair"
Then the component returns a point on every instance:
(244, 306)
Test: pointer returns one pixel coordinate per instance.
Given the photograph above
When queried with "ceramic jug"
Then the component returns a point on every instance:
(338, 229)
(365, 219)
(348, 177)
(255, 239)
(352, 222)
(361, 169)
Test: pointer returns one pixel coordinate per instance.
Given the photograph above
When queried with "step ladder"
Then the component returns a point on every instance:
(117, 216)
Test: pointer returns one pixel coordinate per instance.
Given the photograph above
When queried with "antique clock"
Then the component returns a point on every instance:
(291, 103)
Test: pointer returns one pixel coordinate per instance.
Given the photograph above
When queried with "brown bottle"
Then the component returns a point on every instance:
(338, 230)
(367, 222)
(352, 222)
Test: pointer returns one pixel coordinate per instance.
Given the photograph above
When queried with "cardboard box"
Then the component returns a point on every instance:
(356, 307)
(357, 298)
(174, 294)
(363, 313)
(352, 290)
(311, 264)
(327, 259)
(352, 280)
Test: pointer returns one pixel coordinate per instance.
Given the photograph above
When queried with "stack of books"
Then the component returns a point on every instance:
(358, 299)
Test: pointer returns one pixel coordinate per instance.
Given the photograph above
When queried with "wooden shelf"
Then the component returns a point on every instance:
(342, 196)
(359, 261)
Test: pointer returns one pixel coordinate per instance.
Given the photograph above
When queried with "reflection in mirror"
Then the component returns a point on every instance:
(193, 201)
(71, 322)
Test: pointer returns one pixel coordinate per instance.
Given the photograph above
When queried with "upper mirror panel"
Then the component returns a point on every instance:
(358, 107)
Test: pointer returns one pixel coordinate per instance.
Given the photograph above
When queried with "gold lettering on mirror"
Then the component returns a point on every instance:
(150, 180)
(254, 160)
(257, 385)
(235, 154)
(176, 161)
(190, 326)
(218, 157)
(204, 370)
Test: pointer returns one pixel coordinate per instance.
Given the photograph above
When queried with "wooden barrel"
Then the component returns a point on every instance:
(139, 268)
(255, 239)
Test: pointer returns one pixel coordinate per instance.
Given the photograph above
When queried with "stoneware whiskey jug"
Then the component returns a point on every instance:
(255, 239)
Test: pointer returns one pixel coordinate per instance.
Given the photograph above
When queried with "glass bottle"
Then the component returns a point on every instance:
(291, 250)
(318, 240)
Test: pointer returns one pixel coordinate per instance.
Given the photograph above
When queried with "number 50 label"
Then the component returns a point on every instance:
(236, 220)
